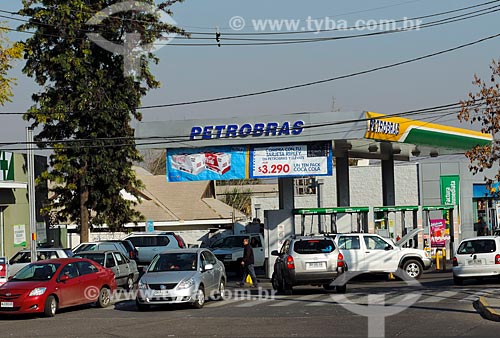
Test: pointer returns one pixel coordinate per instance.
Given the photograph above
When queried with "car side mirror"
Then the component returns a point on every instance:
(209, 267)
(275, 253)
(63, 278)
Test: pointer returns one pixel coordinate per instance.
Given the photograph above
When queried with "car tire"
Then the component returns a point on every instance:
(200, 298)
(458, 280)
(141, 307)
(287, 288)
(50, 308)
(130, 283)
(413, 269)
(341, 288)
(221, 292)
(277, 285)
(104, 298)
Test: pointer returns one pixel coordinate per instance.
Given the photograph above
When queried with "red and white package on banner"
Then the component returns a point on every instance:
(218, 162)
(190, 163)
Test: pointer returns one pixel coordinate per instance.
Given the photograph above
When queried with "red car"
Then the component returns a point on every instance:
(49, 285)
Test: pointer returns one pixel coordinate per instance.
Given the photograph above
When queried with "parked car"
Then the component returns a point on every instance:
(372, 253)
(477, 257)
(131, 249)
(125, 270)
(23, 257)
(94, 246)
(149, 244)
(182, 276)
(307, 260)
(49, 285)
(229, 250)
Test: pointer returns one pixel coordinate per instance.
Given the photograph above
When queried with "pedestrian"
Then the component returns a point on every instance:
(481, 227)
(247, 265)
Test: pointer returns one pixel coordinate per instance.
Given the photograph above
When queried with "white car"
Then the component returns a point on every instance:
(23, 257)
(477, 257)
(372, 253)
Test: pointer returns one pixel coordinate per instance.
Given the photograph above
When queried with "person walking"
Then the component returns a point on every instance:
(247, 265)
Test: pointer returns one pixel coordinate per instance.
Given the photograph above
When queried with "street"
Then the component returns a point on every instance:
(435, 308)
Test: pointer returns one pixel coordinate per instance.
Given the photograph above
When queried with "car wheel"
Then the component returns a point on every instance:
(276, 283)
(221, 292)
(130, 283)
(200, 298)
(287, 288)
(104, 297)
(50, 308)
(458, 280)
(413, 269)
(341, 288)
(141, 307)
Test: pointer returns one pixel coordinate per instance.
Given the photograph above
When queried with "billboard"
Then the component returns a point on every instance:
(242, 162)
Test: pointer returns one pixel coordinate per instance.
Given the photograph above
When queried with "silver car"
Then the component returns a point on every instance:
(477, 257)
(182, 276)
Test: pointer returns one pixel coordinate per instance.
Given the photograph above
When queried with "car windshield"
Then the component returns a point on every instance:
(174, 262)
(96, 257)
(477, 246)
(232, 242)
(36, 272)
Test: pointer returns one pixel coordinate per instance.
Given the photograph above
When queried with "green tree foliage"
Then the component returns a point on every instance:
(483, 108)
(8, 53)
(86, 105)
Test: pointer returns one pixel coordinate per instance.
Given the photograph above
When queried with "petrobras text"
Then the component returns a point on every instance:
(245, 130)
(384, 127)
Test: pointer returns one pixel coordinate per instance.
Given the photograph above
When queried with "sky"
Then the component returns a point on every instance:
(190, 73)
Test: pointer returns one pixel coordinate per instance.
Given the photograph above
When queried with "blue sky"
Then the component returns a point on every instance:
(192, 73)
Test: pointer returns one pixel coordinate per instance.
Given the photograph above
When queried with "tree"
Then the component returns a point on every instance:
(87, 103)
(8, 53)
(483, 108)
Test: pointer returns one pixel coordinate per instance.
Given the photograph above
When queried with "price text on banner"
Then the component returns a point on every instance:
(291, 160)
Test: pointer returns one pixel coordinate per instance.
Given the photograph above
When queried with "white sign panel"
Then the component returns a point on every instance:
(291, 160)
(41, 233)
(19, 235)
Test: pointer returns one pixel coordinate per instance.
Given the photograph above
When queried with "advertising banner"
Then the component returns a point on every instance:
(3, 270)
(450, 195)
(291, 160)
(241, 162)
(19, 235)
(438, 233)
(206, 164)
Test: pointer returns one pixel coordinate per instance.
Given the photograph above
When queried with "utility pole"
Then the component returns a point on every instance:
(31, 191)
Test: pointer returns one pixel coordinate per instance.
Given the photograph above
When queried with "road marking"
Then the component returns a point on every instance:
(256, 302)
(474, 296)
(224, 302)
(297, 300)
(438, 297)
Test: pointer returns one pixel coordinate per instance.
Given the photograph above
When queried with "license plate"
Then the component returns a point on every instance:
(475, 262)
(316, 265)
(7, 304)
(161, 293)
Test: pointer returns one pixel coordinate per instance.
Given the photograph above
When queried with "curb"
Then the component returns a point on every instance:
(485, 310)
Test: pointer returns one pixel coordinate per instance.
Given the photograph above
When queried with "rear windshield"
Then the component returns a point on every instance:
(477, 246)
(145, 241)
(314, 246)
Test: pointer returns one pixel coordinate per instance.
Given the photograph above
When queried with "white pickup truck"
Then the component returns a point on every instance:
(229, 250)
(371, 253)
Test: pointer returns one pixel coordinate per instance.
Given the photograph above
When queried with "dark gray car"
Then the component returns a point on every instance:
(182, 276)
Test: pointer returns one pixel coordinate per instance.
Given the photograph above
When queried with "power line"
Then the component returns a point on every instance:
(312, 83)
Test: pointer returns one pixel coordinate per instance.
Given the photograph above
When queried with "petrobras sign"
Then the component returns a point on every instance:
(227, 131)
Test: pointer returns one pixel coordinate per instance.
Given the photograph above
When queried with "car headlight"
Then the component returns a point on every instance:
(37, 291)
(141, 285)
(186, 284)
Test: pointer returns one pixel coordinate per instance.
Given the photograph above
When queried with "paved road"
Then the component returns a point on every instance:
(435, 308)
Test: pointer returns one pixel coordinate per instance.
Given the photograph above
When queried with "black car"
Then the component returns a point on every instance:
(132, 251)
